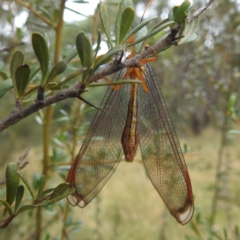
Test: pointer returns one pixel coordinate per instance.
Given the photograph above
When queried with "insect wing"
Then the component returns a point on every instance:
(101, 151)
(161, 151)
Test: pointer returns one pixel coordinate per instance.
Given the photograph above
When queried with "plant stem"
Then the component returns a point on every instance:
(49, 114)
(33, 11)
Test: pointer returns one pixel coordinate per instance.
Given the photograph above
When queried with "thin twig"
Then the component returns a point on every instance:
(33, 11)
(199, 11)
(72, 92)
(78, 89)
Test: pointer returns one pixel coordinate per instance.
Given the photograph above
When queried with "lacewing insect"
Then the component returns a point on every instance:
(134, 115)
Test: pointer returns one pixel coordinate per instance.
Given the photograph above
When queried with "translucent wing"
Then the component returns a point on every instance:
(101, 150)
(161, 151)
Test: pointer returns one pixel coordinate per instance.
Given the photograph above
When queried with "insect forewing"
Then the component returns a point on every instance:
(161, 151)
(101, 150)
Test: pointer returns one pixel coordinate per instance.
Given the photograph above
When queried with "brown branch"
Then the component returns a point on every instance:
(201, 10)
(78, 89)
(15, 117)
(134, 62)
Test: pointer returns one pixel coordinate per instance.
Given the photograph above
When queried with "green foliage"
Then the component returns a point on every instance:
(41, 50)
(22, 79)
(120, 21)
(201, 71)
(12, 182)
(105, 22)
(5, 86)
(84, 48)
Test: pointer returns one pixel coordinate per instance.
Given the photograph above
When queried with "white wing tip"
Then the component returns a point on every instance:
(185, 217)
(76, 201)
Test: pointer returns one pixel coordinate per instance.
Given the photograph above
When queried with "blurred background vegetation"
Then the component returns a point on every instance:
(200, 83)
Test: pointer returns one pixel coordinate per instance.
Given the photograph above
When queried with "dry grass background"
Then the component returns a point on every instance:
(129, 208)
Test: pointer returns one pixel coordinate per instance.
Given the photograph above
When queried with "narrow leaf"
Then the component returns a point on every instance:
(189, 31)
(234, 132)
(138, 27)
(84, 48)
(7, 206)
(191, 38)
(98, 44)
(41, 184)
(19, 196)
(140, 34)
(62, 191)
(59, 68)
(105, 22)
(107, 57)
(45, 193)
(3, 75)
(12, 182)
(26, 184)
(231, 101)
(124, 4)
(5, 86)
(17, 60)
(40, 48)
(71, 55)
(25, 208)
(153, 32)
(22, 79)
(118, 82)
(172, 12)
(181, 11)
(128, 16)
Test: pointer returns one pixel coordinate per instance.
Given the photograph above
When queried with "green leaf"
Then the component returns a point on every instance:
(45, 12)
(84, 48)
(53, 86)
(107, 57)
(12, 182)
(25, 181)
(172, 12)
(25, 208)
(231, 101)
(181, 11)
(61, 191)
(3, 75)
(128, 17)
(59, 68)
(71, 55)
(40, 48)
(98, 44)
(124, 4)
(22, 79)
(140, 34)
(138, 28)
(153, 32)
(5, 86)
(41, 184)
(234, 132)
(7, 206)
(189, 31)
(105, 22)
(45, 193)
(17, 60)
(118, 82)
(191, 38)
(19, 196)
